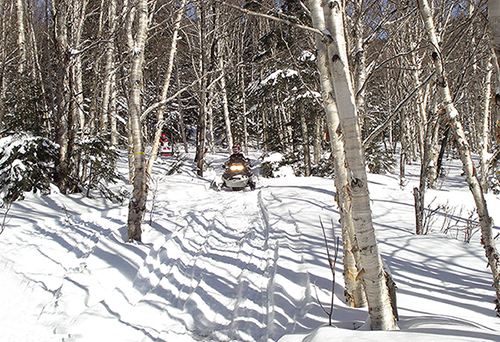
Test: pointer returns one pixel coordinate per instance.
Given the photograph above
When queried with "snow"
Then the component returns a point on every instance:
(234, 266)
(273, 78)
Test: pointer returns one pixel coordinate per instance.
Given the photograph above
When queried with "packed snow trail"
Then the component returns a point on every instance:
(220, 264)
(214, 266)
(224, 266)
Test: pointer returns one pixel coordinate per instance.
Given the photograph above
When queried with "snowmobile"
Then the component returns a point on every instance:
(165, 151)
(237, 176)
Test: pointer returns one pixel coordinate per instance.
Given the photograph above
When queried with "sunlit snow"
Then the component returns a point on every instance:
(235, 266)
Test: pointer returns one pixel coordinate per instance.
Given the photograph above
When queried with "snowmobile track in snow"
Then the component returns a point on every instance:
(226, 282)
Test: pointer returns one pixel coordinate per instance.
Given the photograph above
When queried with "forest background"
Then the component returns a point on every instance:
(80, 79)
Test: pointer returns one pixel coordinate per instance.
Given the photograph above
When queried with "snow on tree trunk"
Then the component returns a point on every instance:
(137, 204)
(463, 148)
(377, 293)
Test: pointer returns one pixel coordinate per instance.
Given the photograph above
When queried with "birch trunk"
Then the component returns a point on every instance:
(210, 118)
(78, 16)
(109, 67)
(360, 58)
(63, 97)
(21, 37)
(37, 71)
(318, 128)
(93, 126)
(244, 110)
(424, 143)
(425, 161)
(181, 112)
(463, 148)
(377, 293)
(170, 67)
(305, 144)
(494, 19)
(137, 204)
(202, 118)
(225, 102)
(201, 131)
(354, 292)
(3, 42)
(485, 129)
(112, 112)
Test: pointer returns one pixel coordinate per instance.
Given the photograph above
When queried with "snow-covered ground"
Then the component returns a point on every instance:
(235, 266)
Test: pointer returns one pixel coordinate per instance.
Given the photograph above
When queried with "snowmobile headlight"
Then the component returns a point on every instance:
(237, 167)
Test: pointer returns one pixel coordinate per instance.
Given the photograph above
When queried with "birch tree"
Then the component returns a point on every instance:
(108, 115)
(69, 17)
(21, 38)
(137, 204)
(442, 84)
(203, 87)
(379, 303)
(355, 292)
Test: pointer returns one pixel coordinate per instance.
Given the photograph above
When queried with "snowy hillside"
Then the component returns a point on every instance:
(235, 266)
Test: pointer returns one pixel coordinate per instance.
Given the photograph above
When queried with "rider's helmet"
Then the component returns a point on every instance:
(236, 148)
(163, 136)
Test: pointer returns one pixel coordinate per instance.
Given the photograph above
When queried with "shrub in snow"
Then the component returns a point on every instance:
(26, 165)
(277, 165)
(97, 166)
(379, 159)
(324, 168)
(23, 108)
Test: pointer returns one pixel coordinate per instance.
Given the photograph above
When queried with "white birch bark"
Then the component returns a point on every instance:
(181, 115)
(494, 19)
(486, 222)
(37, 71)
(360, 57)
(21, 36)
(354, 292)
(485, 129)
(225, 102)
(305, 144)
(109, 67)
(377, 293)
(202, 118)
(318, 129)
(78, 16)
(244, 110)
(2, 62)
(63, 97)
(210, 123)
(137, 204)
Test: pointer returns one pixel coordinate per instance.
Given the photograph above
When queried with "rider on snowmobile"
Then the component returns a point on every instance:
(164, 140)
(238, 158)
